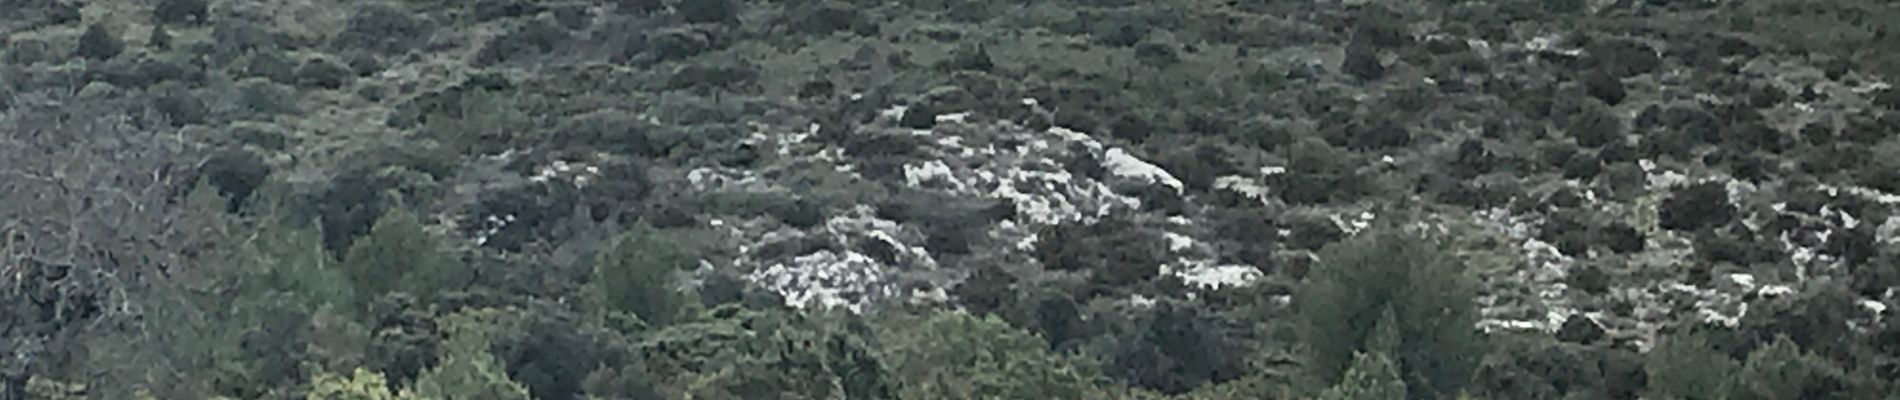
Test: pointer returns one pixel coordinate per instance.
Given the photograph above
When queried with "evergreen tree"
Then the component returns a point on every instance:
(639, 275)
(1421, 290)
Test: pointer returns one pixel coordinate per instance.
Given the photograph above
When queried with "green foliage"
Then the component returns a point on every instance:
(1422, 290)
(1687, 366)
(240, 320)
(639, 275)
(48, 389)
(399, 255)
(467, 370)
(362, 385)
(955, 355)
(1371, 377)
(293, 260)
(1778, 371)
(1174, 349)
(481, 121)
(99, 43)
(736, 353)
(553, 351)
(1850, 29)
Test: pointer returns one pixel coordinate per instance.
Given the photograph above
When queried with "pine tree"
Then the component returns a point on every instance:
(1420, 290)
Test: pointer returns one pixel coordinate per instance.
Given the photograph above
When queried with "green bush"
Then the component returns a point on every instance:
(1423, 287)
(362, 385)
(1371, 377)
(1848, 29)
(467, 370)
(639, 275)
(955, 355)
(732, 352)
(399, 255)
(1780, 370)
(1687, 366)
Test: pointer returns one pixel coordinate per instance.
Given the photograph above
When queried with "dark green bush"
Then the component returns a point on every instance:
(1422, 285)
(640, 275)
(400, 255)
(98, 43)
(180, 11)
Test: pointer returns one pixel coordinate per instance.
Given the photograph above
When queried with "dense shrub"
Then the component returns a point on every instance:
(1698, 206)
(708, 11)
(734, 352)
(98, 43)
(1422, 285)
(180, 11)
(639, 275)
(952, 355)
(468, 370)
(383, 28)
(400, 255)
(1114, 252)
